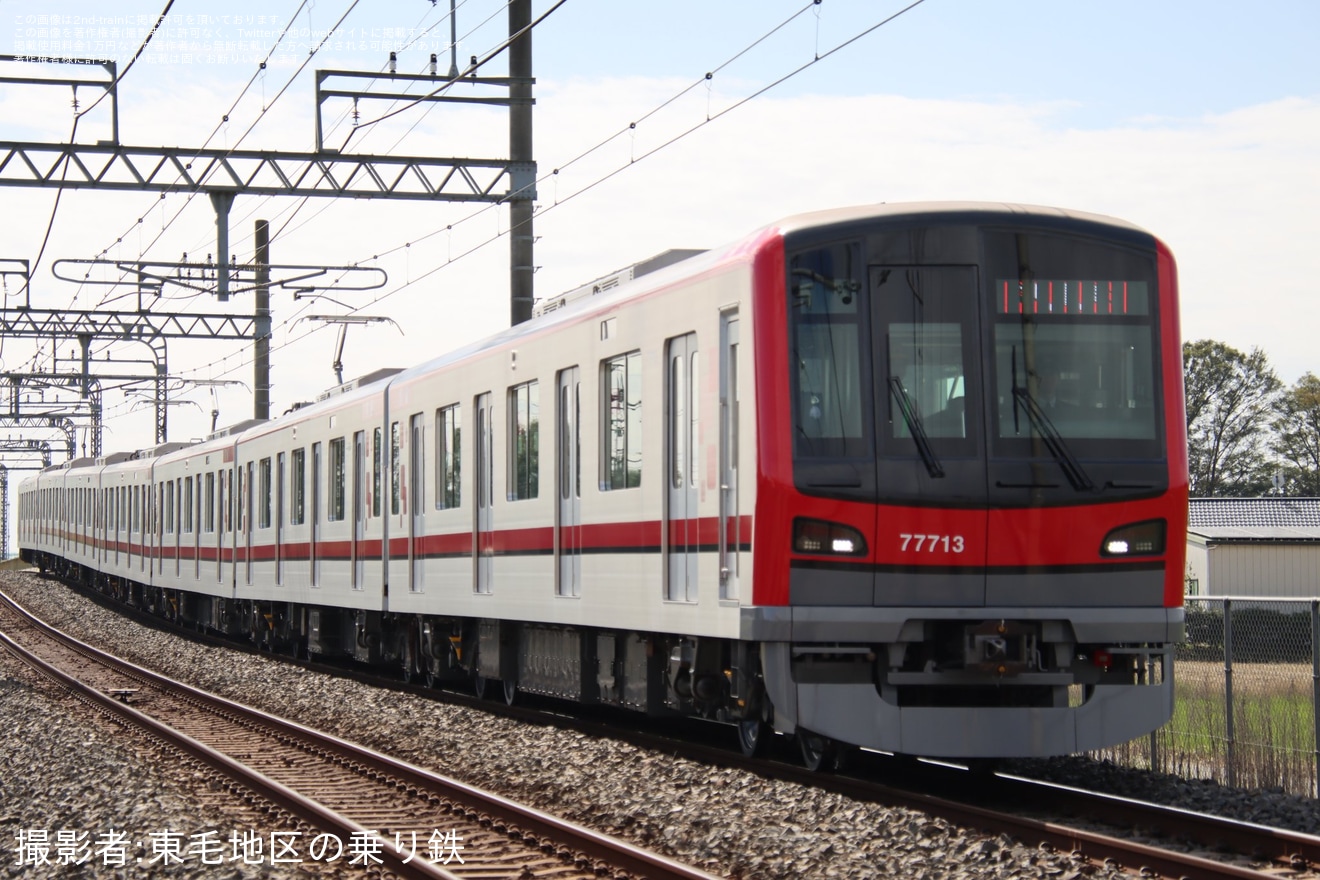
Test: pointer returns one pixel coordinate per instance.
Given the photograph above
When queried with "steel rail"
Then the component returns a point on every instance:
(598, 847)
(314, 814)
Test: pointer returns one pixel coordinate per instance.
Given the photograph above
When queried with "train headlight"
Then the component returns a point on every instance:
(826, 538)
(1137, 539)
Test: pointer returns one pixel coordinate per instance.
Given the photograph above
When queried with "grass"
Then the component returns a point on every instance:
(1273, 741)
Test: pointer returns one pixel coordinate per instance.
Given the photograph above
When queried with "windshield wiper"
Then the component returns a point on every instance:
(914, 426)
(1072, 468)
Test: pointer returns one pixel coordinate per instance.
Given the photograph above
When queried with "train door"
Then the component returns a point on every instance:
(569, 532)
(731, 536)
(116, 501)
(681, 454)
(359, 509)
(247, 524)
(176, 491)
(414, 503)
(314, 550)
(140, 532)
(222, 521)
(195, 512)
(483, 543)
(279, 518)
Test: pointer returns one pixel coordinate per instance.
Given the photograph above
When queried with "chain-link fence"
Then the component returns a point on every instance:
(1246, 687)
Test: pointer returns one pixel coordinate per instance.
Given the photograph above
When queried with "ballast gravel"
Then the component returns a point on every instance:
(67, 770)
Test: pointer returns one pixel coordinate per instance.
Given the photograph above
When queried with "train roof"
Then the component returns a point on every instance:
(638, 280)
(897, 210)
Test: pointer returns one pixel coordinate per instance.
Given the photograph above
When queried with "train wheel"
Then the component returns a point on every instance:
(510, 691)
(817, 751)
(479, 686)
(753, 733)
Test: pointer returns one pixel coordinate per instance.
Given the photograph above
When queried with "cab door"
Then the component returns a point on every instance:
(930, 450)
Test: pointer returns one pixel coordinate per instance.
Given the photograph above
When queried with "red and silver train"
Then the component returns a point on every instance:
(907, 477)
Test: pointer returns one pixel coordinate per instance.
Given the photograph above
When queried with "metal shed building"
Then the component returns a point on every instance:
(1253, 547)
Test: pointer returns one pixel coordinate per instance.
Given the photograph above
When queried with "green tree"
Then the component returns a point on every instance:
(1230, 401)
(1297, 436)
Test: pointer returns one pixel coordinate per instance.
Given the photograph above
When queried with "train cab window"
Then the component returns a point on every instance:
(448, 473)
(1074, 335)
(926, 318)
(621, 422)
(335, 510)
(827, 339)
(298, 487)
(524, 427)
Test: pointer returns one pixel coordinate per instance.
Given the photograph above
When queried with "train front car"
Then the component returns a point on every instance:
(973, 472)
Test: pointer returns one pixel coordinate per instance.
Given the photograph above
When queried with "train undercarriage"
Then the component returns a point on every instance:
(939, 668)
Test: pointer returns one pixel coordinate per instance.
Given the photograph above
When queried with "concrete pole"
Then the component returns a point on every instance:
(261, 344)
(521, 236)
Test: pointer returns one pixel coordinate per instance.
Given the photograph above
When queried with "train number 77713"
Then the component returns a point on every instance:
(932, 543)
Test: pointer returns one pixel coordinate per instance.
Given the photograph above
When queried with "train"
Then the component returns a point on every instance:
(905, 477)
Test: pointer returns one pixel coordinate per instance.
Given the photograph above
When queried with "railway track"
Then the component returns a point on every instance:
(372, 810)
(1152, 839)
(1101, 829)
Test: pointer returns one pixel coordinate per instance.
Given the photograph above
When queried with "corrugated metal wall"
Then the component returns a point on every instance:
(1275, 570)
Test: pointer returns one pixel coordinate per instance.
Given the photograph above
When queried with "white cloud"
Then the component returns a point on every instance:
(1233, 195)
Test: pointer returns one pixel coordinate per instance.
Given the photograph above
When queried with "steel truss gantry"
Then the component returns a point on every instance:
(224, 174)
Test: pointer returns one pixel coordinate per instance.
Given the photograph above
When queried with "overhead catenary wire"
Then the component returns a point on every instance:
(50, 224)
(816, 59)
(109, 298)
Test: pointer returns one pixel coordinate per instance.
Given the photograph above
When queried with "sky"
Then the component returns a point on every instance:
(1199, 121)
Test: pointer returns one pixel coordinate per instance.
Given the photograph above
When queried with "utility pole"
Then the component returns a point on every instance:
(521, 267)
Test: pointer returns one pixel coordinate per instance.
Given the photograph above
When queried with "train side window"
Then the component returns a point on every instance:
(396, 486)
(335, 512)
(448, 473)
(222, 499)
(297, 489)
(263, 493)
(524, 427)
(208, 504)
(621, 422)
(188, 504)
(376, 446)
